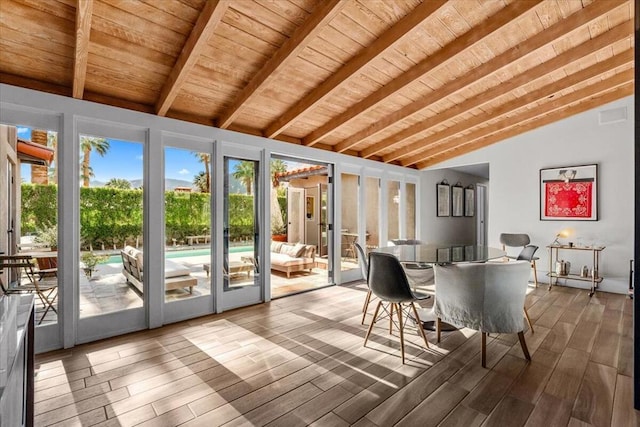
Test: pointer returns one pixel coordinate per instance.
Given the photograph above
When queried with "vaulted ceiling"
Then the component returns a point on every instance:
(398, 81)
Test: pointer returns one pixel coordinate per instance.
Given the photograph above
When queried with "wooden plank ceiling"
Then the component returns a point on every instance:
(399, 81)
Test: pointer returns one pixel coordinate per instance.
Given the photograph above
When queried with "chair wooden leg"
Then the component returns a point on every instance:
(401, 327)
(375, 314)
(484, 350)
(526, 315)
(523, 344)
(391, 307)
(535, 272)
(366, 306)
(438, 329)
(419, 324)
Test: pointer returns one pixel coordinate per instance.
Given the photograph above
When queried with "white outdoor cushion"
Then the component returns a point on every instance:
(175, 269)
(285, 260)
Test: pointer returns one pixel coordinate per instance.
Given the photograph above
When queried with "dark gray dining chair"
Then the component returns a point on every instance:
(388, 281)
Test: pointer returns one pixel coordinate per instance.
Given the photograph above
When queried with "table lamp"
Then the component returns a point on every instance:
(563, 234)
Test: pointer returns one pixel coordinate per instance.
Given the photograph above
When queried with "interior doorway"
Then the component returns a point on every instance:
(300, 226)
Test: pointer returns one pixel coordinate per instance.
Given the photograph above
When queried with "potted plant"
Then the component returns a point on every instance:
(47, 236)
(278, 233)
(90, 260)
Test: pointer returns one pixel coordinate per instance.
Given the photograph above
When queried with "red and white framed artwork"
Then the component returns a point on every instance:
(569, 193)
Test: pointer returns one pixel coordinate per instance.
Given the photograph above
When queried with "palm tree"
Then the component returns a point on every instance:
(87, 145)
(205, 185)
(245, 173)
(119, 183)
(201, 181)
(277, 220)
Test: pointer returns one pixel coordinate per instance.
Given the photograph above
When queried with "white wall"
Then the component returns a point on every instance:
(514, 197)
(445, 229)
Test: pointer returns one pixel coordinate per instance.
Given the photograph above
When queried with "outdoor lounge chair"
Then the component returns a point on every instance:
(176, 275)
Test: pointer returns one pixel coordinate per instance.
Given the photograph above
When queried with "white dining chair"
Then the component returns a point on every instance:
(486, 297)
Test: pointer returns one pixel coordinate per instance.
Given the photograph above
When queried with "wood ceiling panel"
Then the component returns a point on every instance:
(59, 9)
(182, 23)
(461, 75)
(186, 11)
(38, 28)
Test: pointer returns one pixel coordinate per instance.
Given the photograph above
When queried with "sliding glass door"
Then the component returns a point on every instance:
(240, 271)
(187, 242)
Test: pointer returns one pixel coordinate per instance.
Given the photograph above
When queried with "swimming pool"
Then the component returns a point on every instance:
(183, 253)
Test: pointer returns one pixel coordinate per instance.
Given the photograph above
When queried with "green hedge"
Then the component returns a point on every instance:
(113, 216)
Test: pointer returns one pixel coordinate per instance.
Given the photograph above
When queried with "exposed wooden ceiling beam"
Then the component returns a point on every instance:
(366, 55)
(26, 82)
(459, 44)
(541, 115)
(207, 22)
(434, 142)
(324, 13)
(602, 41)
(586, 105)
(84, 11)
(528, 47)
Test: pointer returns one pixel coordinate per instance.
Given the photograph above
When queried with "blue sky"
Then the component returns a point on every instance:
(125, 160)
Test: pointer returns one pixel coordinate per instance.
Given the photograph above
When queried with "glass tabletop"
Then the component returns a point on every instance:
(442, 253)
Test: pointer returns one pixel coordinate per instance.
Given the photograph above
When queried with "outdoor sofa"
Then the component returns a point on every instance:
(292, 257)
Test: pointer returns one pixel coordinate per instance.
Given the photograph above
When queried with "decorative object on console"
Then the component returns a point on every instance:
(569, 193)
(563, 233)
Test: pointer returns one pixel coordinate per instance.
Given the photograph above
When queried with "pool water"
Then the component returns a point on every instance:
(183, 254)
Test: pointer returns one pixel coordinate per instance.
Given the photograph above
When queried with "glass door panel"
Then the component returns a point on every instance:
(241, 233)
(299, 251)
(393, 210)
(111, 225)
(410, 209)
(350, 221)
(187, 263)
(30, 219)
(372, 189)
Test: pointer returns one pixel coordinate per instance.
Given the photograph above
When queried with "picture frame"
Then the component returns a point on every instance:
(443, 255)
(569, 193)
(310, 208)
(443, 199)
(457, 200)
(457, 253)
(469, 201)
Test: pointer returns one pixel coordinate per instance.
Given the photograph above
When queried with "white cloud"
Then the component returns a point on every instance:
(184, 172)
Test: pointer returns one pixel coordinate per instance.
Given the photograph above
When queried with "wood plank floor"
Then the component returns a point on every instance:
(300, 361)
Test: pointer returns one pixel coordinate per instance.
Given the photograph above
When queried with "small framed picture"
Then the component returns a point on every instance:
(457, 253)
(469, 201)
(443, 203)
(443, 255)
(457, 200)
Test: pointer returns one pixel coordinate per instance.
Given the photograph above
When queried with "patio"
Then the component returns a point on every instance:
(107, 291)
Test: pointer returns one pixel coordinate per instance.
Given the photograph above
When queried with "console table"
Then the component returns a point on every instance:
(594, 277)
